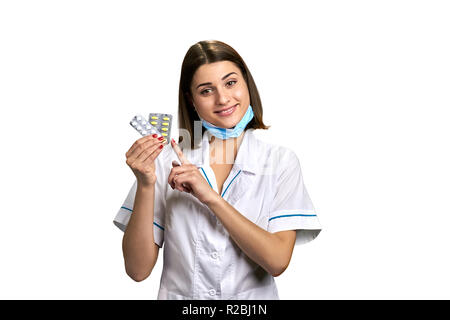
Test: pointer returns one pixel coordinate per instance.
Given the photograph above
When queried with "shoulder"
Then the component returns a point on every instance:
(272, 153)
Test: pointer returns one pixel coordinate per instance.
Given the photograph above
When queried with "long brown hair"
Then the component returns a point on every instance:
(210, 51)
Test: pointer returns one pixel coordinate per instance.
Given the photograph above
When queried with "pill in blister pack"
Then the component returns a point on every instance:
(162, 122)
(143, 126)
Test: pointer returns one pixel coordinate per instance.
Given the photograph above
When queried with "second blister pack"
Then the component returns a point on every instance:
(162, 122)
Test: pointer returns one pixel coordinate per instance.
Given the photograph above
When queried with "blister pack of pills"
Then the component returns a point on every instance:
(143, 126)
(162, 122)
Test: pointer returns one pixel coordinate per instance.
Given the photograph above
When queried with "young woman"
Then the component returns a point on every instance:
(228, 207)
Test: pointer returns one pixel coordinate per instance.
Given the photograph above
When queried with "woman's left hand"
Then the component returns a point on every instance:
(187, 178)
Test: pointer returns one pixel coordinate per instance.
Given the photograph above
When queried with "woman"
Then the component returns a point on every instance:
(230, 213)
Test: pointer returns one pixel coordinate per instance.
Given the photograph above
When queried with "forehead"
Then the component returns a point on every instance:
(212, 72)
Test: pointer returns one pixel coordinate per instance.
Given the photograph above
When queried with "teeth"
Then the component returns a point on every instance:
(227, 110)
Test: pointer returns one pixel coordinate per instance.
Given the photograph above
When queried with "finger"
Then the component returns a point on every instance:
(141, 147)
(153, 155)
(181, 188)
(179, 153)
(142, 141)
(188, 189)
(181, 182)
(178, 170)
(175, 164)
(137, 143)
(175, 171)
(146, 152)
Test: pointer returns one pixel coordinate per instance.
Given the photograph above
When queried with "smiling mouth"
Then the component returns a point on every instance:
(227, 111)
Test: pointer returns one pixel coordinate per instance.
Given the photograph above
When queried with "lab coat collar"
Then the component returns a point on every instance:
(245, 158)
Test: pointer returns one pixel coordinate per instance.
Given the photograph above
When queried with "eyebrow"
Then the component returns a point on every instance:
(223, 78)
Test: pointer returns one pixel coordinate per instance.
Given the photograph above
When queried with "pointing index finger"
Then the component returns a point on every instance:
(179, 153)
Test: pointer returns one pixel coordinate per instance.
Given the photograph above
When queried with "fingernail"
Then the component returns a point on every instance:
(154, 135)
(160, 138)
(173, 140)
(161, 146)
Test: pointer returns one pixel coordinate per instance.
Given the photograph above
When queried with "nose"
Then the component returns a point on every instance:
(222, 96)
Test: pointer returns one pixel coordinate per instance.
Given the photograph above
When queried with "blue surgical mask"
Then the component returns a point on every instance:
(224, 133)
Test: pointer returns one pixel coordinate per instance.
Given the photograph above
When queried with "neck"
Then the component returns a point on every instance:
(224, 151)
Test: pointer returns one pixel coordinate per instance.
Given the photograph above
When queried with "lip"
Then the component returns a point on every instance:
(228, 113)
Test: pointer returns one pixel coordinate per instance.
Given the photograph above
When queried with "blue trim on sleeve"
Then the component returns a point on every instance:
(293, 215)
(230, 183)
(162, 228)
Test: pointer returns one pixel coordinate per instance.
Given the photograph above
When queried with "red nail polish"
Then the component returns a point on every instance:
(154, 135)
(173, 140)
(160, 138)
(161, 146)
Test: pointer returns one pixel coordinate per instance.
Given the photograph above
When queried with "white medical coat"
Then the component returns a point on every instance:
(201, 261)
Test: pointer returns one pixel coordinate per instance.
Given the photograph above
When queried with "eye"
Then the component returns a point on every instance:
(206, 91)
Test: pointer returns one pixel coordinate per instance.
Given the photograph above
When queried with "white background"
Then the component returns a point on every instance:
(358, 89)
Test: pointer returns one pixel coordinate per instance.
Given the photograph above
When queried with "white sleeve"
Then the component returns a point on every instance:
(291, 207)
(123, 215)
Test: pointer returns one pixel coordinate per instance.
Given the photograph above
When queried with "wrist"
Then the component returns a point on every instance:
(213, 200)
(145, 187)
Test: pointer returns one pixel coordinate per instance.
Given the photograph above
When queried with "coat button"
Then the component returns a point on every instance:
(214, 255)
(212, 292)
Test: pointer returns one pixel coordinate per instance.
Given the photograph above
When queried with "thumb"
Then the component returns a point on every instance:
(175, 163)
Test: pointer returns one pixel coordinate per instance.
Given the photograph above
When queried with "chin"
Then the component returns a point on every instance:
(229, 123)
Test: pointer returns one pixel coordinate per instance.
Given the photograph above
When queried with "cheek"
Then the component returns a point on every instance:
(241, 93)
(204, 108)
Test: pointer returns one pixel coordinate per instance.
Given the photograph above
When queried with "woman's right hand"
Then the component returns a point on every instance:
(141, 156)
